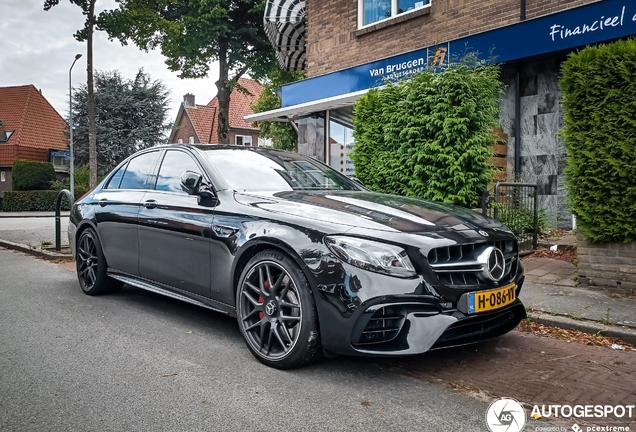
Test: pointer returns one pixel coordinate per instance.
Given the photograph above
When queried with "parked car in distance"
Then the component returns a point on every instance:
(306, 259)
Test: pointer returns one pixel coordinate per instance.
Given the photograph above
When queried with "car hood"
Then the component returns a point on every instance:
(369, 210)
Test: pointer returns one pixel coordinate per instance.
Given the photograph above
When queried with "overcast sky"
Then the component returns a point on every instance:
(37, 47)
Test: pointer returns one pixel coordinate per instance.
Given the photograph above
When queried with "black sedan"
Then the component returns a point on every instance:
(309, 261)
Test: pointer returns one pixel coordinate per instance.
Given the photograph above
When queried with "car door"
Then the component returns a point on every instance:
(174, 230)
(117, 211)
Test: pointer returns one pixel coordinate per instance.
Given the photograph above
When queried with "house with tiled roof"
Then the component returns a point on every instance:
(30, 129)
(198, 124)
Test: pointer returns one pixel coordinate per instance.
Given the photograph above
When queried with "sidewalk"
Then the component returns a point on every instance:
(34, 233)
(551, 296)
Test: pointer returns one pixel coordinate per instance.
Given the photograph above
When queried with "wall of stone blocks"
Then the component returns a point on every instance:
(184, 131)
(543, 156)
(609, 266)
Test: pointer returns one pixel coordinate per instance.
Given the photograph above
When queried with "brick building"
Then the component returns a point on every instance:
(351, 46)
(197, 124)
(30, 129)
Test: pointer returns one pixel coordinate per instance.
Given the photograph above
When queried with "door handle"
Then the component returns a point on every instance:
(103, 202)
(150, 204)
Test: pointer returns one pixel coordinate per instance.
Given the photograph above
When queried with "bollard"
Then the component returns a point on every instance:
(58, 205)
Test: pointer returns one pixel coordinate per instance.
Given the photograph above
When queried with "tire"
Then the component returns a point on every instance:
(276, 312)
(91, 266)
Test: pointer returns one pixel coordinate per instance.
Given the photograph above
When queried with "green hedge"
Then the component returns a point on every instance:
(429, 136)
(39, 200)
(28, 175)
(599, 88)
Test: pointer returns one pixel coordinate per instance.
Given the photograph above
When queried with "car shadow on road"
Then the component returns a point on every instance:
(197, 317)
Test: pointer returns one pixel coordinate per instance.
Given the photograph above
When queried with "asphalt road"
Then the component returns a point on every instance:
(136, 361)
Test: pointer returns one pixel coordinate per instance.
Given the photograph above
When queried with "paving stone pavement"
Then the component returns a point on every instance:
(550, 271)
(533, 370)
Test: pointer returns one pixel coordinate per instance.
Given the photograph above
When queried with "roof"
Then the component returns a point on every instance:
(32, 118)
(204, 117)
(240, 103)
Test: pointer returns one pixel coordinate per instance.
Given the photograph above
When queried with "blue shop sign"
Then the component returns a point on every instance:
(66, 155)
(598, 22)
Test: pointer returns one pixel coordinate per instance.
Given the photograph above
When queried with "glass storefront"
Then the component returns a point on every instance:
(340, 144)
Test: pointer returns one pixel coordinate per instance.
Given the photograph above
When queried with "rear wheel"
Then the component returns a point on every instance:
(277, 313)
(91, 266)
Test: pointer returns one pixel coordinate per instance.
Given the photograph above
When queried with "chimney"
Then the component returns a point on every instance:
(188, 100)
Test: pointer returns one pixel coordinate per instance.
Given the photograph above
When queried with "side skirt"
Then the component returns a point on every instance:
(168, 293)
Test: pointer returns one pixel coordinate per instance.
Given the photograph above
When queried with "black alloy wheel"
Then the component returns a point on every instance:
(277, 313)
(91, 266)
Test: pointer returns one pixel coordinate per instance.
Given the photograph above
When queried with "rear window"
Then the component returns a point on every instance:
(138, 173)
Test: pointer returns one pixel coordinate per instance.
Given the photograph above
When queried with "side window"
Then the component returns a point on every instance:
(137, 175)
(174, 164)
(114, 181)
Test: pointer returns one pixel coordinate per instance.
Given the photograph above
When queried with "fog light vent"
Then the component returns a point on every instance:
(383, 326)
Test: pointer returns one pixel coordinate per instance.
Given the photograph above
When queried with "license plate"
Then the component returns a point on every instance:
(483, 301)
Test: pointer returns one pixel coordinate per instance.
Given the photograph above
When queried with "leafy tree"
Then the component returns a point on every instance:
(86, 34)
(193, 33)
(430, 136)
(282, 133)
(131, 115)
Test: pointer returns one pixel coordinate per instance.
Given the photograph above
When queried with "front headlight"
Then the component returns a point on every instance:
(371, 255)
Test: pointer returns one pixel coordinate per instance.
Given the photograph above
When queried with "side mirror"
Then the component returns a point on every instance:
(191, 182)
(357, 180)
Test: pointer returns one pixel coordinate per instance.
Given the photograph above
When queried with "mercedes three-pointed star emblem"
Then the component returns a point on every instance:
(270, 308)
(495, 265)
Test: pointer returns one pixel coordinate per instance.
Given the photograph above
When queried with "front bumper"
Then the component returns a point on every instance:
(364, 313)
(71, 231)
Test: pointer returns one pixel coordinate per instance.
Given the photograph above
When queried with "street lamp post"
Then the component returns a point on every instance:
(70, 125)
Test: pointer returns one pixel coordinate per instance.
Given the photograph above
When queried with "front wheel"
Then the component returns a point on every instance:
(277, 313)
(91, 266)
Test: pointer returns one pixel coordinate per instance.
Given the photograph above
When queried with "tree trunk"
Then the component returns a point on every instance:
(223, 97)
(92, 134)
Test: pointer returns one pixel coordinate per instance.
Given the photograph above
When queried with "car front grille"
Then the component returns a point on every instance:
(457, 266)
(383, 326)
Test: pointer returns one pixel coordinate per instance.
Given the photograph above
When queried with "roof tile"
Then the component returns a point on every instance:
(36, 124)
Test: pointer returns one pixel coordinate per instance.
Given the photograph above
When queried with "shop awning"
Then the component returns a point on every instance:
(284, 23)
(305, 109)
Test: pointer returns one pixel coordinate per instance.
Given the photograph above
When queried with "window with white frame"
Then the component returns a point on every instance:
(3, 176)
(191, 140)
(372, 11)
(180, 141)
(243, 140)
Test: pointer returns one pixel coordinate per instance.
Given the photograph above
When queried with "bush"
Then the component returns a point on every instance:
(38, 200)
(520, 220)
(430, 136)
(599, 88)
(82, 175)
(29, 175)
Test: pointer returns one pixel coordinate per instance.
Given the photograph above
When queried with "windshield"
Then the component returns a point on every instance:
(246, 170)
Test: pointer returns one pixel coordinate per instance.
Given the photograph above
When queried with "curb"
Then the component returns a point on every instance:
(48, 255)
(591, 327)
